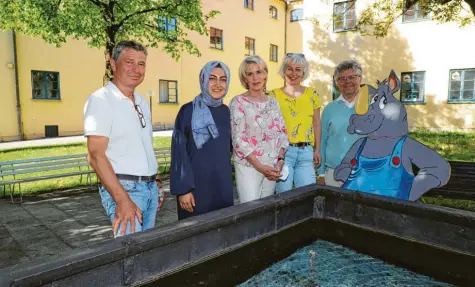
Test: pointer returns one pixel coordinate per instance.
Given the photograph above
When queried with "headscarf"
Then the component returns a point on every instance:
(202, 122)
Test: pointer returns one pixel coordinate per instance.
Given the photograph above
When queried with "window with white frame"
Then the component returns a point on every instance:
(167, 25)
(412, 87)
(274, 56)
(344, 16)
(216, 38)
(168, 92)
(415, 13)
(461, 86)
(249, 4)
(250, 46)
(296, 15)
(272, 12)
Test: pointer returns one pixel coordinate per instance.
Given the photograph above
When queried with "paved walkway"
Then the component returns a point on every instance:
(61, 140)
(40, 228)
(53, 223)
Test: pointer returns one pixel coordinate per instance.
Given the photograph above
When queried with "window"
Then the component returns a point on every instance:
(249, 4)
(250, 45)
(412, 87)
(274, 53)
(461, 88)
(415, 13)
(272, 12)
(168, 91)
(45, 85)
(166, 24)
(344, 16)
(216, 38)
(296, 15)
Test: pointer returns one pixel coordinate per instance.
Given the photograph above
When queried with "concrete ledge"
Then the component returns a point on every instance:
(151, 255)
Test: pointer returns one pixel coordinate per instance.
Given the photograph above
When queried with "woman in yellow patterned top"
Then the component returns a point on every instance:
(300, 107)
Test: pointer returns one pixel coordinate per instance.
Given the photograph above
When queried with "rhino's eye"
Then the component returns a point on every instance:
(375, 99)
(383, 102)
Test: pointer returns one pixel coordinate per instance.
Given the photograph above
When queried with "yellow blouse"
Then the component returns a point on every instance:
(298, 114)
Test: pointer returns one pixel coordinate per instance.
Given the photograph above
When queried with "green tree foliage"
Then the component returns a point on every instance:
(378, 16)
(103, 23)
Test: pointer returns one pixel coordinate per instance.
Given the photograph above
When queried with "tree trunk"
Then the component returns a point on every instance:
(108, 74)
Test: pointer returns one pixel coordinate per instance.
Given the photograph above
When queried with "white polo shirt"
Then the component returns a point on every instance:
(109, 113)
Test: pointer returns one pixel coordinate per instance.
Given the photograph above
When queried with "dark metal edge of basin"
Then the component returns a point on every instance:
(278, 212)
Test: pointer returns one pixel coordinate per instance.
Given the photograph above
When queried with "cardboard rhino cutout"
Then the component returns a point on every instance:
(381, 161)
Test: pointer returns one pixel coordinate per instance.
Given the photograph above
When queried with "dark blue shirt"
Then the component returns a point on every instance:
(205, 172)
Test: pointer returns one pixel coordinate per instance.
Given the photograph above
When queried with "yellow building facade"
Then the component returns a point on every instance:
(52, 84)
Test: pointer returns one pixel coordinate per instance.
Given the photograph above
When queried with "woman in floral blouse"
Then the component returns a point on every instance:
(259, 135)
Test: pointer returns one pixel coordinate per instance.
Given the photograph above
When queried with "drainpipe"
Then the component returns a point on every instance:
(17, 87)
(285, 27)
(286, 2)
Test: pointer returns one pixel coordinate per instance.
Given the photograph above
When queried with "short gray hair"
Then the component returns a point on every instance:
(297, 59)
(248, 61)
(122, 45)
(347, 65)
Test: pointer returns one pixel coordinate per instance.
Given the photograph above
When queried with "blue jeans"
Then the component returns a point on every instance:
(143, 194)
(301, 168)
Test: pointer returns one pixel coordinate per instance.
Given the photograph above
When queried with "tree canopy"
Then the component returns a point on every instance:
(103, 23)
(377, 17)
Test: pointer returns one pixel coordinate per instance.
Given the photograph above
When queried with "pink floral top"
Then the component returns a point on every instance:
(258, 129)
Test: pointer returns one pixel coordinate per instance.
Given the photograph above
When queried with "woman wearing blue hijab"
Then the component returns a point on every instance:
(201, 174)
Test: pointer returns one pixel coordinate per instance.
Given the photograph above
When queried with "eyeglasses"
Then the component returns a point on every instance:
(347, 78)
(140, 114)
(297, 54)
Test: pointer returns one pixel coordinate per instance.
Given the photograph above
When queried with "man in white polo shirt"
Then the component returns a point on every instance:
(118, 126)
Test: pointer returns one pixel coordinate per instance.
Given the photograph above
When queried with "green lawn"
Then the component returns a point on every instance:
(451, 145)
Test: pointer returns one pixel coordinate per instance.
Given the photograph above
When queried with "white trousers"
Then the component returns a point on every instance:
(329, 180)
(251, 184)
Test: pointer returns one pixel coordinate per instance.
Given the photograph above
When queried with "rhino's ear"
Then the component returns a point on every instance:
(394, 82)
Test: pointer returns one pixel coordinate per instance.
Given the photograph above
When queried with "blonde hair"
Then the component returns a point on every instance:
(297, 59)
(248, 61)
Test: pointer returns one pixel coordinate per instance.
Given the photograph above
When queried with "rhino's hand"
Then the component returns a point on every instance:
(342, 172)
(351, 129)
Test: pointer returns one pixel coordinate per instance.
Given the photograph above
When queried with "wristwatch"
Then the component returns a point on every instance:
(280, 158)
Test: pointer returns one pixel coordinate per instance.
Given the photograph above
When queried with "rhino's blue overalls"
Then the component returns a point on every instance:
(382, 176)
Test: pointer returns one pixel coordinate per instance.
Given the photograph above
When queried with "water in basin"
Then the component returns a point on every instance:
(327, 264)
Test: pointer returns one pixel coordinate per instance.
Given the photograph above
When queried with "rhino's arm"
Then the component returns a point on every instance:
(434, 170)
(342, 171)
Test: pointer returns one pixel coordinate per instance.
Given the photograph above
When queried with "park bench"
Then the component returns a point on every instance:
(461, 184)
(14, 173)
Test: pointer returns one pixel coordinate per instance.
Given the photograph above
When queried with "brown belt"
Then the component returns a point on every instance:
(137, 178)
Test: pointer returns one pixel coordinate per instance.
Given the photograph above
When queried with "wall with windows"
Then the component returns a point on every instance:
(55, 82)
(434, 61)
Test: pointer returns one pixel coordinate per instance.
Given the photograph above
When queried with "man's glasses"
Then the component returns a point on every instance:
(141, 117)
(347, 78)
(297, 54)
